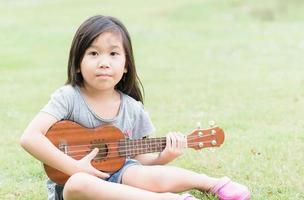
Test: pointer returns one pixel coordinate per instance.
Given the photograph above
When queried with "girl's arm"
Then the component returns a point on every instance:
(34, 141)
(175, 143)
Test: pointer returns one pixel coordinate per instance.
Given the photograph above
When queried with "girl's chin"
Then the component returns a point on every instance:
(101, 87)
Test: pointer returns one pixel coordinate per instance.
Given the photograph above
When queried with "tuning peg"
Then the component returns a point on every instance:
(211, 123)
(198, 125)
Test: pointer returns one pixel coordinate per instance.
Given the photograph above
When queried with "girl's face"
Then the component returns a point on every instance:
(103, 63)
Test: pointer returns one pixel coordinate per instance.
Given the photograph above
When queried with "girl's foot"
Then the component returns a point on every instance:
(225, 189)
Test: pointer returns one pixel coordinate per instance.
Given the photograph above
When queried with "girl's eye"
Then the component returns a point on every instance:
(93, 53)
(114, 53)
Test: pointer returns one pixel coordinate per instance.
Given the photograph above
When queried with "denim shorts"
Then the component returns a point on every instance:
(116, 177)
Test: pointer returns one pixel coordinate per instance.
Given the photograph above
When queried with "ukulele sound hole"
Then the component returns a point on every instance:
(103, 150)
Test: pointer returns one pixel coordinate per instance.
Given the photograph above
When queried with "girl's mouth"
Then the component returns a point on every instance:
(103, 75)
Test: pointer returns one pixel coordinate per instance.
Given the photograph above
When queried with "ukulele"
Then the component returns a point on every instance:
(78, 141)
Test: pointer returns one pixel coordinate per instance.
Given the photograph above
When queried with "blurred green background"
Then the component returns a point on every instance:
(236, 62)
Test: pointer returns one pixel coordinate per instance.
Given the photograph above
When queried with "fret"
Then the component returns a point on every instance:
(159, 144)
(137, 147)
(133, 148)
(147, 145)
(149, 142)
(151, 145)
(130, 148)
(154, 145)
(127, 148)
(141, 146)
(122, 148)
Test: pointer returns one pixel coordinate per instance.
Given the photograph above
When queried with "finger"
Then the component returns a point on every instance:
(92, 154)
(185, 141)
(173, 140)
(100, 174)
(179, 141)
(179, 138)
(182, 140)
(168, 141)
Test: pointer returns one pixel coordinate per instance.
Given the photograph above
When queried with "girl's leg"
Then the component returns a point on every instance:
(173, 179)
(84, 186)
(166, 179)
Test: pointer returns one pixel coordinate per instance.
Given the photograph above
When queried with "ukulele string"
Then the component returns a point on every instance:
(139, 146)
(125, 153)
(127, 145)
(131, 153)
(189, 138)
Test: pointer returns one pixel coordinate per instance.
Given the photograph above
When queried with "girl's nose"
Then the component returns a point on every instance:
(103, 63)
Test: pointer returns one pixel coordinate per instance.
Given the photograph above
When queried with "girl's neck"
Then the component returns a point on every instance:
(100, 95)
(104, 103)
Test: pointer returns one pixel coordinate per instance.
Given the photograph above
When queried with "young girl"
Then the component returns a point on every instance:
(103, 88)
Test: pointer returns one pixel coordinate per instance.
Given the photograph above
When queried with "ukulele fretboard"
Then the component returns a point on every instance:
(131, 148)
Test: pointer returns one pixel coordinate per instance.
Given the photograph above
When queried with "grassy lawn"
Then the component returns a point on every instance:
(239, 63)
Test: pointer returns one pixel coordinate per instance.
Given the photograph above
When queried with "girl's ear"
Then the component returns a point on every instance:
(125, 70)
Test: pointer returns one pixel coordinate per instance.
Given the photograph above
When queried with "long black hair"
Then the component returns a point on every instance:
(85, 35)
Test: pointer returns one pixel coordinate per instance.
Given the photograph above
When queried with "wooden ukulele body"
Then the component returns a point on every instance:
(77, 141)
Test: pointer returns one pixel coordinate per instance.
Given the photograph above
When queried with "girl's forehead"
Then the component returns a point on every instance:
(108, 39)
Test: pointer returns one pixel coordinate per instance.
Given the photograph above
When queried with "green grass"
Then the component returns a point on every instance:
(236, 62)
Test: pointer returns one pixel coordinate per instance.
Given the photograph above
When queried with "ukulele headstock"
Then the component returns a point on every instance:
(202, 138)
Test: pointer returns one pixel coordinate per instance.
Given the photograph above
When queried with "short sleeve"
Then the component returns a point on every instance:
(59, 104)
(143, 125)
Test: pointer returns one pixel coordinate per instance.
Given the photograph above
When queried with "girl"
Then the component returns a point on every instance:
(103, 88)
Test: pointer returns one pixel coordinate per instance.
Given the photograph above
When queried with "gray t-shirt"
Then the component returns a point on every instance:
(68, 103)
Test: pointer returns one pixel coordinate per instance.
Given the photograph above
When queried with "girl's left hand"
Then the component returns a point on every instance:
(175, 143)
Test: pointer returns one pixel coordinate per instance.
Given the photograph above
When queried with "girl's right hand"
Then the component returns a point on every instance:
(85, 165)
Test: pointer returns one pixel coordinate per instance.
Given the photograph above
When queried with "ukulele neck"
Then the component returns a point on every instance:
(131, 148)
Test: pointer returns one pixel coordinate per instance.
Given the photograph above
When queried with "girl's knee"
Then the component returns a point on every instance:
(76, 186)
(160, 182)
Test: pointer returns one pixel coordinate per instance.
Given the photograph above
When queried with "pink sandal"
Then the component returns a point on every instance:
(225, 189)
(187, 196)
